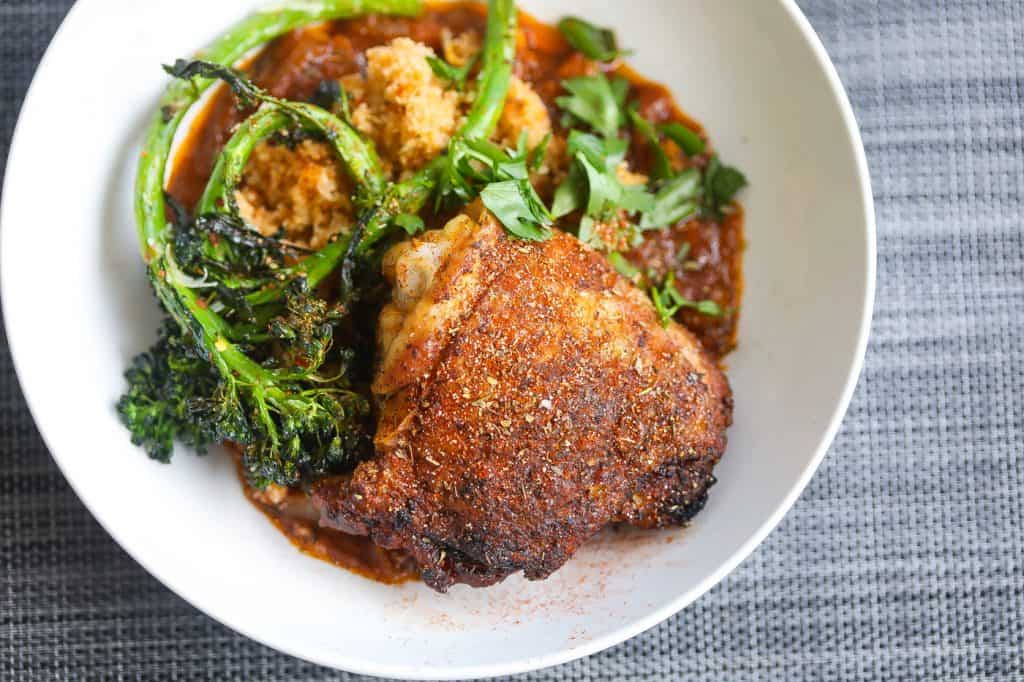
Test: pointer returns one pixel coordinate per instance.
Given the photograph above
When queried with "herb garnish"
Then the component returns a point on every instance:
(473, 164)
(412, 224)
(615, 215)
(516, 205)
(687, 140)
(661, 168)
(624, 267)
(675, 200)
(593, 185)
(594, 42)
(721, 183)
(596, 101)
(455, 76)
(668, 302)
(501, 178)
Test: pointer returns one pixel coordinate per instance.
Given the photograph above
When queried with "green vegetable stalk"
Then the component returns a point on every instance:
(252, 32)
(496, 72)
(499, 52)
(293, 422)
(290, 406)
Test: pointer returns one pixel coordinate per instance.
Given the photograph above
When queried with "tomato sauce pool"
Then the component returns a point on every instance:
(704, 255)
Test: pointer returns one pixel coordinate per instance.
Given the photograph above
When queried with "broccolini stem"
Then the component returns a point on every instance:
(410, 196)
(358, 155)
(496, 72)
(314, 267)
(493, 82)
(406, 197)
(250, 33)
(231, 162)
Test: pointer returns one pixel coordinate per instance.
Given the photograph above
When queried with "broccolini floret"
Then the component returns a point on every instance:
(251, 350)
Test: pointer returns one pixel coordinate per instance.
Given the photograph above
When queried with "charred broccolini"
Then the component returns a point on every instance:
(260, 344)
(250, 351)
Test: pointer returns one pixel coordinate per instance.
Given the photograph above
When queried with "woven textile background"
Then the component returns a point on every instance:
(904, 559)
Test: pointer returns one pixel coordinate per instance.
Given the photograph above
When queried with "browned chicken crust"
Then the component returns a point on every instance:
(529, 397)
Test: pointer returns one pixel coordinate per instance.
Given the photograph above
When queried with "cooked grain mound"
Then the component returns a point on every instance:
(407, 111)
(301, 191)
(524, 110)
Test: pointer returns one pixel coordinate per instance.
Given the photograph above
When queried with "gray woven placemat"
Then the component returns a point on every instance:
(904, 559)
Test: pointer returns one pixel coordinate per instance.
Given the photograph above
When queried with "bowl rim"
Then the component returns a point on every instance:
(361, 666)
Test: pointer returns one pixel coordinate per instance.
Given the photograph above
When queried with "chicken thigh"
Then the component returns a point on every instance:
(529, 396)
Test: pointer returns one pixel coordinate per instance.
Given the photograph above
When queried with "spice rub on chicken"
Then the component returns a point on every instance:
(528, 397)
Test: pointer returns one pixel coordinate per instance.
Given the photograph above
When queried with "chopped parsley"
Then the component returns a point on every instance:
(412, 224)
(661, 168)
(594, 42)
(501, 178)
(516, 205)
(454, 76)
(668, 302)
(687, 140)
(593, 185)
(624, 267)
(472, 164)
(614, 215)
(676, 199)
(721, 183)
(596, 101)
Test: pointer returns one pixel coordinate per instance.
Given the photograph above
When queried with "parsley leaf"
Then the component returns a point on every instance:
(726, 183)
(455, 76)
(606, 153)
(721, 183)
(683, 253)
(624, 267)
(604, 156)
(593, 185)
(536, 156)
(594, 42)
(605, 189)
(516, 205)
(687, 140)
(661, 168)
(676, 200)
(502, 180)
(472, 164)
(571, 194)
(597, 102)
(412, 224)
(668, 302)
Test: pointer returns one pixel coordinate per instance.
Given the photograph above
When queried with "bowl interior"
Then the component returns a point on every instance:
(751, 72)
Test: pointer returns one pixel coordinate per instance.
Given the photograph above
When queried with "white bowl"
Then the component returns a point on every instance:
(78, 308)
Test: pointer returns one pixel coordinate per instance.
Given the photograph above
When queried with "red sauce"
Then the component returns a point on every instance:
(294, 65)
(292, 513)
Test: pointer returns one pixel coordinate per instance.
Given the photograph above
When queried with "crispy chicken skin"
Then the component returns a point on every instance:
(528, 397)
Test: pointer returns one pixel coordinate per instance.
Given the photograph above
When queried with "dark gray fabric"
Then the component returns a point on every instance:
(902, 560)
